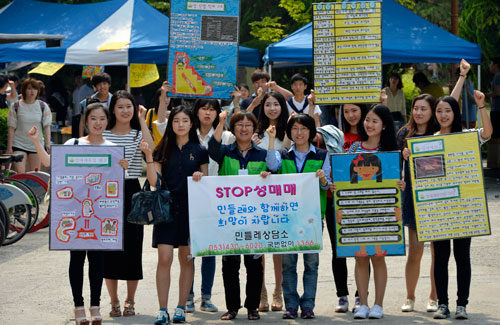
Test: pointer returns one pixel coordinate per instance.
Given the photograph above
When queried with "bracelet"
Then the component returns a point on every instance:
(149, 162)
(482, 107)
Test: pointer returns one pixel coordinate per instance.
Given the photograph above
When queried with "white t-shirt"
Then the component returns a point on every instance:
(299, 106)
(227, 138)
(264, 142)
(27, 116)
(83, 142)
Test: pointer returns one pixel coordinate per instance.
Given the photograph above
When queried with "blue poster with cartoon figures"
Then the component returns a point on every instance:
(203, 48)
(367, 204)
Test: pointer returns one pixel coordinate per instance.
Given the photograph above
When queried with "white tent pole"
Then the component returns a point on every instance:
(271, 71)
(128, 77)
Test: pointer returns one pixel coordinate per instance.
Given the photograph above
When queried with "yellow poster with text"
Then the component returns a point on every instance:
(447, 186)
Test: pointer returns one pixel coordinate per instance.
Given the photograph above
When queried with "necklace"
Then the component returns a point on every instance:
(242, 151)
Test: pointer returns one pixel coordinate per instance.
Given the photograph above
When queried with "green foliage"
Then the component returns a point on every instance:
(162, 6)
(267, 29)
(410, 4)
(3, 128)
(297, 10)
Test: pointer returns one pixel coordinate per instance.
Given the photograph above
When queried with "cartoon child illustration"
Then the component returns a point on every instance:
(367, 166)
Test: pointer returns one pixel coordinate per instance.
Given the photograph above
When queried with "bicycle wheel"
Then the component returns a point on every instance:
(4, 217)
(18, 207)
(2, 232)
(37, 181)
(31, 195)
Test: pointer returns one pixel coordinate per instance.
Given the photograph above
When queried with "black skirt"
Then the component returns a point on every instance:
(127, 264)
(175, 233)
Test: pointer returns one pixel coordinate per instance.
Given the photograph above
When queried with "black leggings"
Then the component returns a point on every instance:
(231, 277)
(96, 263)
(461, 251)
(339, 264)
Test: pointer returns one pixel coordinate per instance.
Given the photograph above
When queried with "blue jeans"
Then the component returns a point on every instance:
(310, 280)
(207, 278)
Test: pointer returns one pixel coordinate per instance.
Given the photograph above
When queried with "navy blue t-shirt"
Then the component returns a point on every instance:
(181, 164)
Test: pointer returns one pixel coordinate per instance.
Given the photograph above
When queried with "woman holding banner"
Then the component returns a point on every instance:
(448, 117)
(377, 135)
(240, 158)
(177, 156)
(422, 123)
(96, 119)
(302, 157)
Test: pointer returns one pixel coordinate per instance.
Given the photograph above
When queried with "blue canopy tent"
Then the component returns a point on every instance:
(406, 38)
(131, 30)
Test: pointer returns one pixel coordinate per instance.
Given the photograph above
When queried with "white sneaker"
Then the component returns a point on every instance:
(408, 306)
(343, 305)
(376, 312)
(362, 312)
(461, 313)
(432, 306)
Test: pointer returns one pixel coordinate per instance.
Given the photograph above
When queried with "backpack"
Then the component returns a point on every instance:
(43, 106)
(292, 105)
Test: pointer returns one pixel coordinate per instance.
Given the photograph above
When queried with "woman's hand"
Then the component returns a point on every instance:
(264, 174)
(142, 113)
(33, 133)
(383, 97)
(223, 117)
(235, 93)
(320, 173)
(406, 153)
(197, 176)
(479, 98)
(333, 187)
(339, 216)
(401, 184)
(144, 146)
(464, 67)
(165, 88)
(255, 138)
(123, 163)
(271, 132)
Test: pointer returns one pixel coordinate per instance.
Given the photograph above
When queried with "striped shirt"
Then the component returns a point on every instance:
(357, 147)
(133, 154)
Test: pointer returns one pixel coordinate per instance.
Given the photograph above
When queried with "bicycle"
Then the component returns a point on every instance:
(17, 206)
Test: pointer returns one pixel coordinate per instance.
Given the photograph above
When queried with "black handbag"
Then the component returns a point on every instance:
(151, 207)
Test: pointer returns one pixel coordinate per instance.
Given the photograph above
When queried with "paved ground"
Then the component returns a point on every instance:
(34, 285)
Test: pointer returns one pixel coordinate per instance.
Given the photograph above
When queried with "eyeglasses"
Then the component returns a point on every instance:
(300, 130)
(243, 126)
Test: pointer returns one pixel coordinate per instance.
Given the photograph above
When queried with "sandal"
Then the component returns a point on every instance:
(128, 308)
(82, 319)
(253, 314)
(95, 313)
(115, 310)
(229, 315)
(264, 305)
(277, 304)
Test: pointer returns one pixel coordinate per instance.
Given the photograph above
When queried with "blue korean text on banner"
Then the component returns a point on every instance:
(203, 48)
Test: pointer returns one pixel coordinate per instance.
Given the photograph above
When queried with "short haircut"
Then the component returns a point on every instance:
(101, 77)
(298, 77)
(306, 121)
(200, 102)
(259, 74)
(27, 82)
(239, 116)
(13, 77)
(3, 80)
(93, 106)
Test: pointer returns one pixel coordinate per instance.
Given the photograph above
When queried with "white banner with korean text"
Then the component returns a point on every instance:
(231, 215)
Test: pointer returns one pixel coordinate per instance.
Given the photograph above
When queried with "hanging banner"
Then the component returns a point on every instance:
(86, 198)
(347, 43)
(89, 70)
(47, 68)
(368, 204)
(143, 74)
(448, 188)
(231, 215)
(203, 48)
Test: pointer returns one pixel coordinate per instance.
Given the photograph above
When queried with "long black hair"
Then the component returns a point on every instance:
(263, 121)
(456, 125)
(388, 136)
(214, 103)
(432, 125)
(164, 149)
(134, 122)
(365, 160)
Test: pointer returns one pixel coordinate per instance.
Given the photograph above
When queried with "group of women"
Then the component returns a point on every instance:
(194, 142)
